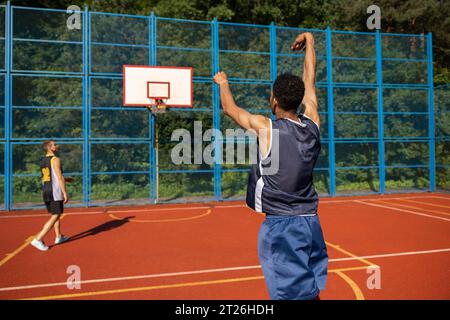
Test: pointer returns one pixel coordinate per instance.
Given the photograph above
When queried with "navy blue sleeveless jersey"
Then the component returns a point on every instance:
(294, 149)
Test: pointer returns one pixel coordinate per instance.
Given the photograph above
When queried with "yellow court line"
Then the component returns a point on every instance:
(413, 207)
(340, 271)
(164, 220)
(153, 276)
(358, 293)
(426, 203)
(11, 255)
(167, 286)
(27, 241)
(337, 247)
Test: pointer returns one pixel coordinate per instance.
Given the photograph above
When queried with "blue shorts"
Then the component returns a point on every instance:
(293, 256)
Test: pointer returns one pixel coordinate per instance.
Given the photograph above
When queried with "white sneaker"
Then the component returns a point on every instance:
(39, 245)
(61, 239)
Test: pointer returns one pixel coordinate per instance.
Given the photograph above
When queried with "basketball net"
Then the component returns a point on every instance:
(159, 106)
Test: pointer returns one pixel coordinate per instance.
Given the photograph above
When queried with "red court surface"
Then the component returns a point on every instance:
(209, 251)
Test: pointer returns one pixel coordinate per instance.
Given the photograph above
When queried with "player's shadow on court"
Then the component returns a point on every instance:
(107, 226)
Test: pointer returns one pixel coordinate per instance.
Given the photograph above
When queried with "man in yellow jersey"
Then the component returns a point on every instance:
(54, 193)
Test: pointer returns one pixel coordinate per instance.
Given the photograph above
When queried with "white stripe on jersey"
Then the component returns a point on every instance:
(56, 187)
(258, 194)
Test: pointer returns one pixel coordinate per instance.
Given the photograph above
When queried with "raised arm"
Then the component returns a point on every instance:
(306, 41)
(258, 123)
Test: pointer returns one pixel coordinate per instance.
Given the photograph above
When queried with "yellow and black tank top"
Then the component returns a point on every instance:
(51, 188)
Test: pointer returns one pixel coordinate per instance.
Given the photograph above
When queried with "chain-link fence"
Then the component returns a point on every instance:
(375, 91)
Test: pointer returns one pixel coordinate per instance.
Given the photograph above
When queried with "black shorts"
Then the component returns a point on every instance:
(55, 207)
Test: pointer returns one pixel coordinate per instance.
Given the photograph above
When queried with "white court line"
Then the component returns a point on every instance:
(76, 213)
(438, 197)
(172, 274)
(402, 210)
(381, 198)
(390, 255)
(158, 209)
(205, 207)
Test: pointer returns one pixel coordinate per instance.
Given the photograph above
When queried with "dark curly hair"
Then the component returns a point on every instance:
(289, 90)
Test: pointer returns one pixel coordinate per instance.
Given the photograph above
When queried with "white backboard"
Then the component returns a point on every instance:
(140, 83)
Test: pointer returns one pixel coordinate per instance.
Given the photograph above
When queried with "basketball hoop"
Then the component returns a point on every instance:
(157, 87)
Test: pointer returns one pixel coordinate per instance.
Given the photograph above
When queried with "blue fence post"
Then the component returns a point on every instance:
(85, 108)
(151, 117)
(431, 124)
(216, 111)
(8, 109)
(273, 51)
(379, 67)
(273, 56)
(89, 104)
(330, 109)
(155, 171)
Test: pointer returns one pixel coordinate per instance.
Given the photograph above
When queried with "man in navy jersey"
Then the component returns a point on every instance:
(291, 247)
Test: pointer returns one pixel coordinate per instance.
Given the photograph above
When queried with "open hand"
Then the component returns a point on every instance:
(300, 41)
(220, 77)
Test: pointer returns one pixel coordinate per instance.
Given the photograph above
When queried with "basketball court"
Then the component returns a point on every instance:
(208, 251)
(143, 227)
